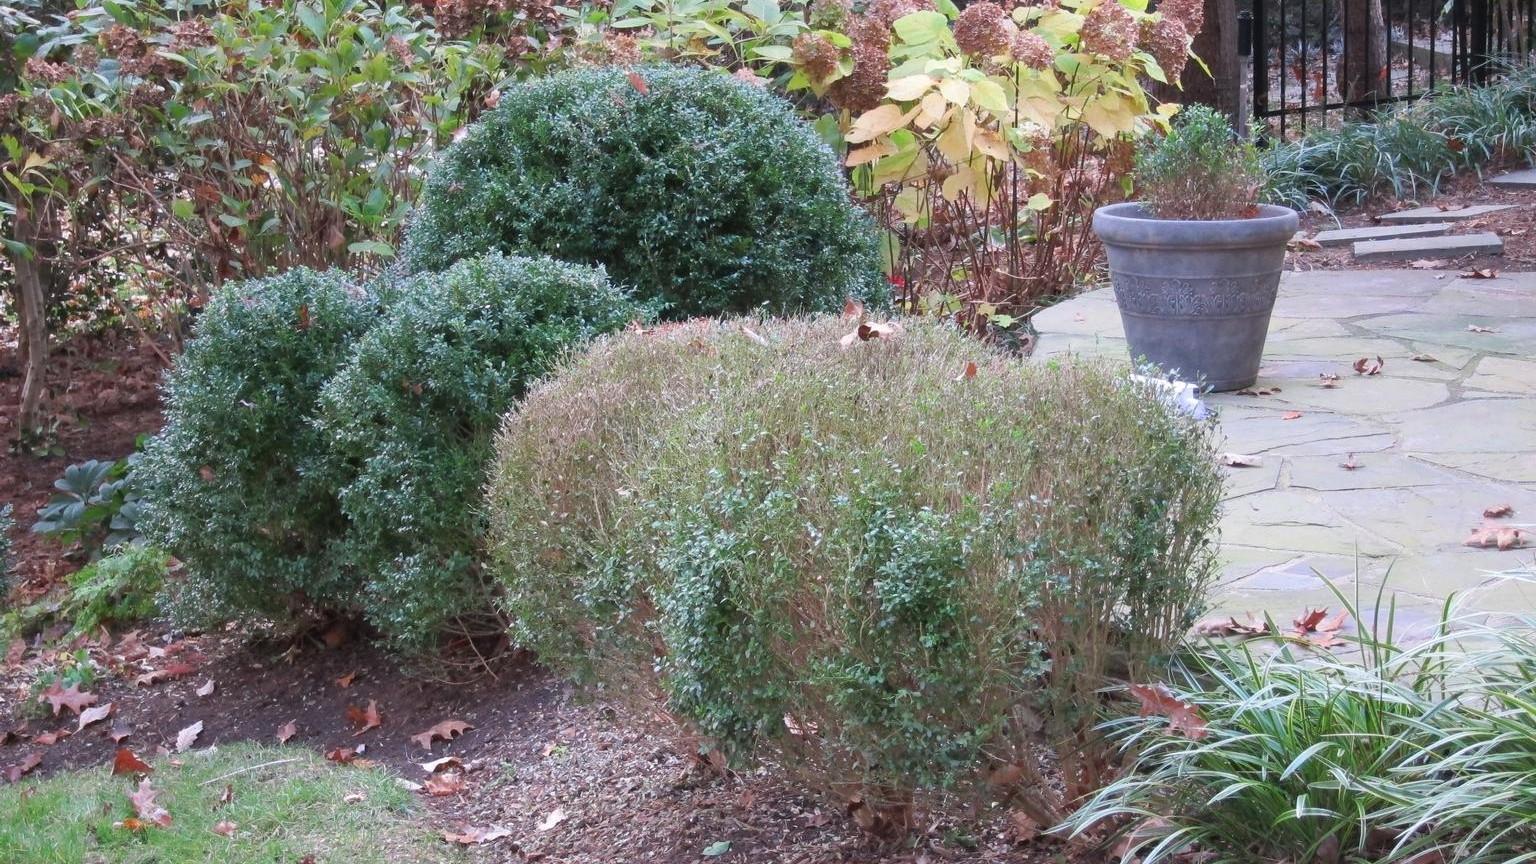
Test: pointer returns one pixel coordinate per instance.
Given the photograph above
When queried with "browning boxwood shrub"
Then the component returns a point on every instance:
(893, 577)
(409, 420)
(238, 485)
(704, 194)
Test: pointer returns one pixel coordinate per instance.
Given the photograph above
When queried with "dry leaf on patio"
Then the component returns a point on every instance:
(1228, 625)
(188, 736)
(444, 731)
(476, 835)
(287, 731)
(1183, 717)
(1428, 263)
(1423, 358)
(94, 715)
(1327, 380)
(1241, 460)
(125, 762)
(1498, 511)
(1480, 273)
(146, 809)
(1499, 537)
(1291, 415)
(1350, 464)
(364, 718)
(1304, 244)
(1478, 328)
(68, 697)
(1364, 366)
(1316, 627)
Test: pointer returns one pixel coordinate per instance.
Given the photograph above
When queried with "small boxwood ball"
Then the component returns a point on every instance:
(701, 193)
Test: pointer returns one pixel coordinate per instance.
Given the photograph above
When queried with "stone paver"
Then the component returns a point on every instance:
(1525, 179)
(1346, 236)
(1435, 214)
(1451, 246)
(1447, 429)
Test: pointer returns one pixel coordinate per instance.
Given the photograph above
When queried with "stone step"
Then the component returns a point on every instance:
(1524, 179)
(1421, 215)
(1346, 236)
(1410, 248)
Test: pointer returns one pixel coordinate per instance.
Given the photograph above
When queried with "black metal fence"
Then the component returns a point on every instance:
(1314, 57)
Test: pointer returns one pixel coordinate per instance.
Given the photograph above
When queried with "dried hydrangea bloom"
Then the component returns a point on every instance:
(864, 87)
(830, 14)
(1191, 12)
(816, 56)
(1168, 41)
(123, 42)
(1110, 30)
(984, 30)
(191, 33)
(622, 49)
(1031, 49)
(887, 11)
(43, 72)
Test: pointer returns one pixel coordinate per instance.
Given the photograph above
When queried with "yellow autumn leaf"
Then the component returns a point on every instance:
(930, 111)
(909, 88)
(899, 167)
(1109, 115)
(956, 140)
(989, 95)
(876, 122)
(963, 180)
(956, 91)
(1039, 201)
(877, 150)
(989, 143)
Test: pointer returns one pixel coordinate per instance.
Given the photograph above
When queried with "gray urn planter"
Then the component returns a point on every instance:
(1195, 296)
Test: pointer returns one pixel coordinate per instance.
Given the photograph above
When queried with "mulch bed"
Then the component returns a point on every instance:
(1516, 226)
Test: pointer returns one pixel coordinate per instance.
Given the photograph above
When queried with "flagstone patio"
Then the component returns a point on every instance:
(1447, 429)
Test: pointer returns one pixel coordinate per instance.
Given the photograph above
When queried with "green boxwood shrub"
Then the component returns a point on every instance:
(237, 485)
(887, 575)
(409, 421)
(703, 194)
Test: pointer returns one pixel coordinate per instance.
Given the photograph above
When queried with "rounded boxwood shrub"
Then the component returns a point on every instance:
(702, 193)
(891, 576)
(409, 421)
(237, 484)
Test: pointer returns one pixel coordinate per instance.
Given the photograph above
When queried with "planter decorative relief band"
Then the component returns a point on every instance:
(1195, 296)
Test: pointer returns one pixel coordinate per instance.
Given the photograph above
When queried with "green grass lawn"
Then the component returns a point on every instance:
(303, 806)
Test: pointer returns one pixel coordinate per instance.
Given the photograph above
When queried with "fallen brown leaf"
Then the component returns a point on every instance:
(48, 739)
(444, 784)
(1478, 328)
(287, 731)
(1499, 537)
(447, 730)
(1351, 464)
(186, 737)
(1241, 460)
(1228, 625)
(1480, 273)
(125, 762)
(94, 715)
(21, 769)
(754, 336)
(364, 718)
(346, 680)
(1364, 366)
(1291, 415)
(967, 372)
(224, 829)
(554, 818)
(1423, 358)
(853, 309)
(120, 730)
(68, 697)
(1498, 511)
(1183, 717)
(1327, 380)
(146, 809)
(474, 836)
(206, 690)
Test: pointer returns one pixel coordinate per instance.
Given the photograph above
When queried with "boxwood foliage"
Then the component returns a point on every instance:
(409, 421)
(704, 194)
(890, 575)
(237, 484)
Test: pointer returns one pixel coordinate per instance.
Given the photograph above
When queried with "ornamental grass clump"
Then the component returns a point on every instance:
(409, 418)
(1199, 170)
(238, 485)
(898, 567)
(703, 194)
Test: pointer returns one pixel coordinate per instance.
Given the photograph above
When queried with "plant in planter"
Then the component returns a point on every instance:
(1196, 261)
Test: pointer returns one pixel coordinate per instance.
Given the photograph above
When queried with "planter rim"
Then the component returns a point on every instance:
(1130, 224)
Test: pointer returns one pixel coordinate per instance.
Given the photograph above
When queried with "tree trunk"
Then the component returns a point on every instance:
(1216, 45)
(1363, 62)
(32, 309)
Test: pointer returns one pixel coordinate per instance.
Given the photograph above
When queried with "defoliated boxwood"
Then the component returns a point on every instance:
(705, 195)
